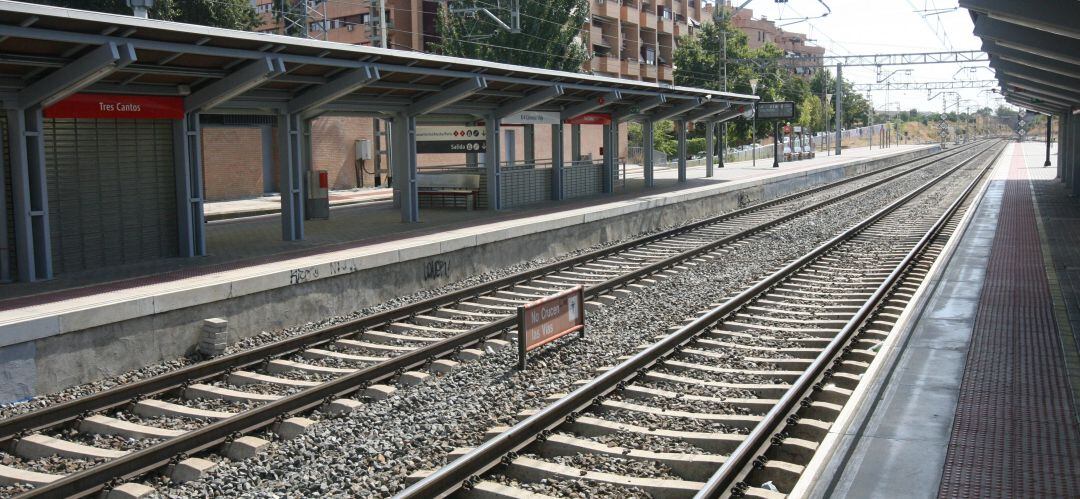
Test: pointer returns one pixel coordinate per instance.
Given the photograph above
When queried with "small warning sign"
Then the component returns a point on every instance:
(545, 320)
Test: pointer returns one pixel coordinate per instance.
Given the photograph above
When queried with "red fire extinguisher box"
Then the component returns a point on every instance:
(317, 204)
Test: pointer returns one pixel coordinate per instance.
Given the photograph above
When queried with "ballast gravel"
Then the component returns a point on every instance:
(371, 451)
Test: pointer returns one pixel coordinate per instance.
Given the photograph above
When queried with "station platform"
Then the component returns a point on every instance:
(130, 316)
(977, 396)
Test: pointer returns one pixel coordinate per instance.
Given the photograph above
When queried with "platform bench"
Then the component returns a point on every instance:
(451, 185)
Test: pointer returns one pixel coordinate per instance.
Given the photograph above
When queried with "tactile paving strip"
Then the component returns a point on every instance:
(1015, 431)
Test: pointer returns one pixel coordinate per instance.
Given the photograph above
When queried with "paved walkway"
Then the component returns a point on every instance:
(269, 204)
(978, 402)
(1015, 431)
(250, 242)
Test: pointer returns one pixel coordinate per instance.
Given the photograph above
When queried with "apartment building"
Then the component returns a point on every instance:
(629, 38)
(761, 31)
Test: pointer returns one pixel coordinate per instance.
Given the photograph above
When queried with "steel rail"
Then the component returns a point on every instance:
(139, 462)
(54, 415)
(449, 478)
(761, 435)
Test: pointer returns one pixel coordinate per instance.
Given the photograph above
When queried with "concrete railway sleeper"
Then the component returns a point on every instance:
(264, 386)
(744, 393)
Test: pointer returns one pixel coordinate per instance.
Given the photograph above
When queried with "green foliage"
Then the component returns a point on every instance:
(812, 113)
(695, 146)
(664, 138)
(232, 14)
(856, 107)
(292, 15)
(548, 38)
(1005, 112)
(633, 133)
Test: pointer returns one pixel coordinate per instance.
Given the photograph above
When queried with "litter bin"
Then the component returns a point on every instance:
(318, 198)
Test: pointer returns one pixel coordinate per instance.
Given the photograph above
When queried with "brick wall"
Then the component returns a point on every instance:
(233, 156)
(333, 148)
(232, 162)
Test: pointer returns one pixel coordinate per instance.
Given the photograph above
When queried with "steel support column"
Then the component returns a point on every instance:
(187, 153)
(403, 142)
(722, 144)
(709, 139)
(839, 98)
(292, 156)
(680, 132)
(1074, 154)
(575, 143)
(30, 194)
(607, 183)
(1049, 126)
(1065, 149)
(529, 138)
(492, 160)
(557, 165)
(1061, 146)
(5, 250)
(647, 136)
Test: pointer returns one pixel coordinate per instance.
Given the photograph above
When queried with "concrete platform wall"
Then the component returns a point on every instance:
(51, 363)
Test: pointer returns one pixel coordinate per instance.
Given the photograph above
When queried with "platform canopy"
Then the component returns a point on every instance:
(1034, 48)
(48, 52)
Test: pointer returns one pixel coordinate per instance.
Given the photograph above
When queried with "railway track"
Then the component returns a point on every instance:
(186, 412)
(736, 401)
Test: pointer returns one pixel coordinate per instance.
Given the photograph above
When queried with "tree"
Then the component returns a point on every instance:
(856, 107)
(664, 137)
(697, 64)
(549, 38)
(231, 14)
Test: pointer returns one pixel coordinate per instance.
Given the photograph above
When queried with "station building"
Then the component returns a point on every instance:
(111, 122)
(628, 40)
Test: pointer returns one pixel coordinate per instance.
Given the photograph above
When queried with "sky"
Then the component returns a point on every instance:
(860, 27)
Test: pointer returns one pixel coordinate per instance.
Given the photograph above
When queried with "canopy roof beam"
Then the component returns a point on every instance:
(529, 102)
(677, 109)
(249, 76)
(447, 96)
(591, 105)
(707, 112)
(77, 75)
(333, 90)
(1026, 40)
(637, 109)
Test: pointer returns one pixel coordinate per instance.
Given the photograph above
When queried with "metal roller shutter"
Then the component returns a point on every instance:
(9, 208)
(112, 194)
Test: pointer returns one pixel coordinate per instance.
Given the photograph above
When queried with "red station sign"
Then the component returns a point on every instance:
(542, 321)
(590, 119)
(116, 106)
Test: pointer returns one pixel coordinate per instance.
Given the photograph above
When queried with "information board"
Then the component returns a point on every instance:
(449, 139)
(775, 110)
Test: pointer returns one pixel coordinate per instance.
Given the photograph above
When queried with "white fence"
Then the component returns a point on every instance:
(821, 141)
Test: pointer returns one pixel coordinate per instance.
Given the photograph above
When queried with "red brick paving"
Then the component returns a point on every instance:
(1015, 432)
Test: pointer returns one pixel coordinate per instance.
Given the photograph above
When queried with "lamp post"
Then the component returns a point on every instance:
(753, 126)
(825, 122)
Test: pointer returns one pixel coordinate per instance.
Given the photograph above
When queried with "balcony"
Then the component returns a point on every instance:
(605, 64)
(629, 12)
(647, 18)
(664, 25)
(606, 8)
(681, 29)
(648, 71)
(630, 68)
(663, 73)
